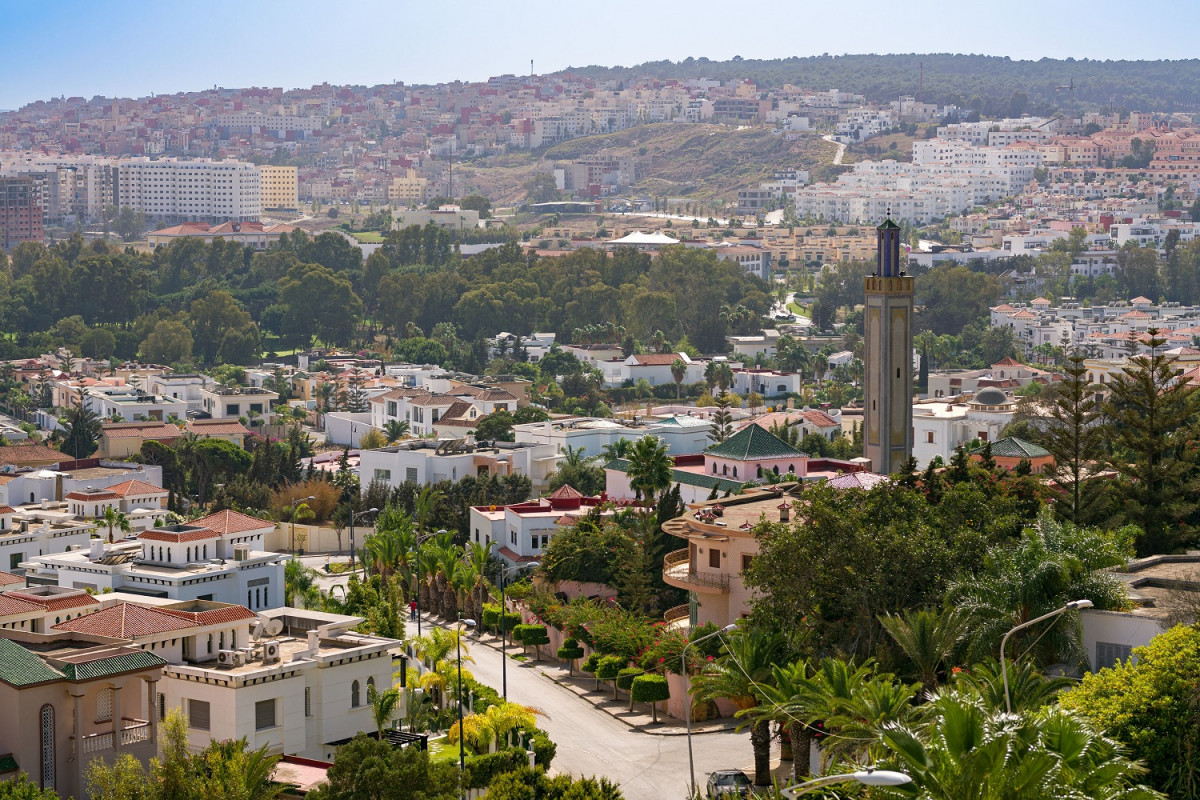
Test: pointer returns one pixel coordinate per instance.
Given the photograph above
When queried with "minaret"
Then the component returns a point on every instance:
(888, 428)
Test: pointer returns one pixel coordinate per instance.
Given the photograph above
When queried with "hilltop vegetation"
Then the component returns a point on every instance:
(993, 81)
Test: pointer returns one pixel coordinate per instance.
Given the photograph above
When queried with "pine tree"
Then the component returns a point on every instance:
(1073, 434)
(1151, 422)
(907, 473)
(722, 419)
(960, 469)
(985, 457)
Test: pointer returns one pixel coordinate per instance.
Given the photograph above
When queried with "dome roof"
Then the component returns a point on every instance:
(990, 396)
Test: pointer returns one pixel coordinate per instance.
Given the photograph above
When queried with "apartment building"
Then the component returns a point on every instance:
(426, 461)
(21, 212)
(278, 125)
(169, 189)
(278, 187)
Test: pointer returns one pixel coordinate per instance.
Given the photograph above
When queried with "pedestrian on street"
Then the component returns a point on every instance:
(412, 610)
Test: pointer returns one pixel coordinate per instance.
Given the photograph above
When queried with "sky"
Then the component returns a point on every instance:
(131, 48)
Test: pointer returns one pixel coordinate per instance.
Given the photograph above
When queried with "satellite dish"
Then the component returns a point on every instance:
(256, 630)
(274, 627)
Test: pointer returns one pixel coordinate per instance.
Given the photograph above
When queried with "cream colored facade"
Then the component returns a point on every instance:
(279, 187)
(408, 189)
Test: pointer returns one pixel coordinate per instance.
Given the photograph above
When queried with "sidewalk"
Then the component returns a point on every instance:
(583, 686)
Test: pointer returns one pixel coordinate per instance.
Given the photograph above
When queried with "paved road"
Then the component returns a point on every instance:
(590, 742)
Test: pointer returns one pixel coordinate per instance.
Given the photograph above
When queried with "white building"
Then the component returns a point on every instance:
(31, 531)
(278, 125)
(941, 427)
(144, 504)
(655, 368)
(425, 461)
(218, 557)
(181, 387)
(131, 404)
(289, 679)
(682, 434)
(522, 531)
(191, 190)
(232, 402)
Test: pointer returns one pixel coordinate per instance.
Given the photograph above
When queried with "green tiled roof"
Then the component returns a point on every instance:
(19, 667)
(888, 224)
(686, 478)
(113, 665)
(753, 443)
(8, 764)
(1012, 447)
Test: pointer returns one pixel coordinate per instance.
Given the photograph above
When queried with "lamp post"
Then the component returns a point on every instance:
(1074, 605)
(504, 571)
(867, 777)
(462, 753)
(687, 711)
(294, 502)
(353, 517)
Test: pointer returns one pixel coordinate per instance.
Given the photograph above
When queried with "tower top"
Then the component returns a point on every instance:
(888, 263)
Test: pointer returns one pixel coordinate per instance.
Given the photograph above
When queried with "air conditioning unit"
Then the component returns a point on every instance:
(226, 657)
(270, 652)
(241, 552)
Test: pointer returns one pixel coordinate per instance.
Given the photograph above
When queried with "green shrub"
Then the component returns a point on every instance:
(570, 651)
(532, 636)
(650, 689)
(625, 677)
(511, 620)
(591, 663)
(544, 749)
(491, 616)
(609, 668)
(483, 769)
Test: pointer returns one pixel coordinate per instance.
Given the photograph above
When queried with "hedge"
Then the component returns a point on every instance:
(532, 636)
(544, 749)
(625, 680)
(485, 768)
(491, 618)
(609, 668)
(650, 689)
(592, 664)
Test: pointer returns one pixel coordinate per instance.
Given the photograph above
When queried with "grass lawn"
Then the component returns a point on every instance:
(518, 657)
(442, 750)
(368, 237)
(795, 309)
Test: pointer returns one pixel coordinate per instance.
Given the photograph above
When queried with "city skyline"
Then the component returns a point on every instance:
(301, 44)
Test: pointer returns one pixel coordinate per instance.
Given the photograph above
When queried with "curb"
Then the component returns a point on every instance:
(493, 643)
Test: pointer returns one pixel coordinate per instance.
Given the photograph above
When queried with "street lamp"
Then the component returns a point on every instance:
(687, 711)
(867, 777)
(1074, 605)
(294, 502)
(503, 627)
(462, 753)
(353, 517)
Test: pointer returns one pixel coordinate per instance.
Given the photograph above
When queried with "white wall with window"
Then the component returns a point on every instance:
(1109, 635)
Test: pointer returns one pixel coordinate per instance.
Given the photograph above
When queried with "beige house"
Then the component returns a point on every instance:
(119, 440)
(69, 699)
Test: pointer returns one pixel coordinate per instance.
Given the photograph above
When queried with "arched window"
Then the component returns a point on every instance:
(189, 554)
(792, 468)
(758, 474)
(775, 469)
(370, 688)
(735, 470)
(354, 695)
(48, 759)
(249, 597)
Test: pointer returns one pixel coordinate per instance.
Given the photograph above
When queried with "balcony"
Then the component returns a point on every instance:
(678, 617)
(678, 571)
(133, 731)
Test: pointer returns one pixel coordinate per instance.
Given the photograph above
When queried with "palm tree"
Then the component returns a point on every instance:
(395, 430)
(114, 518)
(383, 705)
(780, 702)
(928, 638)
(649, 468)
(969, 751)
(745, 664)
(1028, 687)
(573, 457)
(618, 449)
(678, 371)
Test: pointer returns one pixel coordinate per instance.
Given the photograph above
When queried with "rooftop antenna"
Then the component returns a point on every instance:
(921, 85)
(531, 67)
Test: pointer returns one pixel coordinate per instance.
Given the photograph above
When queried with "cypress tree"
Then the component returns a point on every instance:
(1073, 434)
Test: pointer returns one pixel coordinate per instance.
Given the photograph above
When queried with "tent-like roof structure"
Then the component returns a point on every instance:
(639, 239)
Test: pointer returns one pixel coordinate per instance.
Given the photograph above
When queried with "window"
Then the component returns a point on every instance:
(714, 558)
(307, 701)
(264, 714)
(104, 705)
(48, 759)
(533, 541)
(383, 475)
(198, 715)
(929, 437)
(162, 706)
(746, 559)
(354, 699)
(1107, 654)
(410, 474)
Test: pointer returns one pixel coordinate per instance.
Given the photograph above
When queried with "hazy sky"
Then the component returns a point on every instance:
(131, 48)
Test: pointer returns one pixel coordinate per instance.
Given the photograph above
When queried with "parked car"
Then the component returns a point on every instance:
(729, 782)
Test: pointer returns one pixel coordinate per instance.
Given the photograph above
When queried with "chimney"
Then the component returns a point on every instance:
(97, 550)
(45, 503)
(314, 641)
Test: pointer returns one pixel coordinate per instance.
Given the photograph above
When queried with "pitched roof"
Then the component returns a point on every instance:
(656, 359)
(228, 521)
(8, 579)
(213, 616)
(565, 492)
(820, 419)
(684, 477)
(15, 605)
(753, 443)
(140, 430)
(135, 486)
(125, 621)
(92, 495)
(858, 480)
(114, 661)
(25, 455)
(217, 427)
(54, 602)
(1012, 447)
(19, 667)
(1007, 361)
(179, 537)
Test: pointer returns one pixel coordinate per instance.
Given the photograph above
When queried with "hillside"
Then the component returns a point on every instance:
(688, 160)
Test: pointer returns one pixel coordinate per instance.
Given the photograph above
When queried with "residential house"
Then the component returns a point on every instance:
(654, 368)
(234, 402)
(77, 699)
(940, 427)
(521, 532)
(682, 433)
(230, 430)
(425, 461)
(1010, 451)
(46, 528)
(119, 440)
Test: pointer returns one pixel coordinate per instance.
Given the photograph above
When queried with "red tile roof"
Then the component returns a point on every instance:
(178, 537)
(566, 492)
(656, 359)
(1007, 361)
(53, 602)
(7, 510)
(140, 430)
(23, 455)
(136, 487)
(511, 555)
(227, 522)
(217, 427)
(8, 579)
(100, 495)
(125, 621)
(16, 605)
(213, 616)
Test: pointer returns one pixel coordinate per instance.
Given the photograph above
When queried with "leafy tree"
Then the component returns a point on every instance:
(475, 202)
(170, 342)
(1150, 703)
(497, 426)
(319, 302)
(368, 769)
(541, 188)
(529, 783)
(1152, 423)
(81, 430)
(651, 689)
(21, 788)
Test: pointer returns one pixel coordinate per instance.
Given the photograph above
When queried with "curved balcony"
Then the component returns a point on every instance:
(678, 571)
(678, 617)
